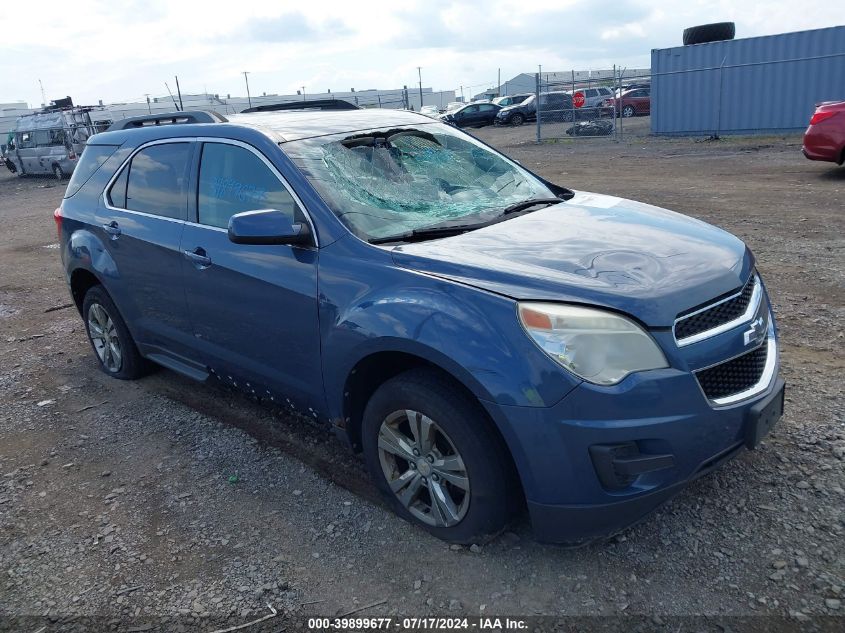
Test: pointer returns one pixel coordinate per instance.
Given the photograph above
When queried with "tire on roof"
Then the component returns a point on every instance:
(704, 33)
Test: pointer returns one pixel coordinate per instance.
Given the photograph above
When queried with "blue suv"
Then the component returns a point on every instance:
(488, 339)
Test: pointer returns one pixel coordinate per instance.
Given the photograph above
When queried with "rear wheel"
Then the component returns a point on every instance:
(430, 450)
(58, 172)
(628, 111)
(116, 352)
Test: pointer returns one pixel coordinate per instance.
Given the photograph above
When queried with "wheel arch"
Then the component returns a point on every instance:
(81, 281)
(377, 366)
(374, 369)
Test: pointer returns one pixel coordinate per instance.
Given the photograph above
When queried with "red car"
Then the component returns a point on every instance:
(634, 102)
(825, 137)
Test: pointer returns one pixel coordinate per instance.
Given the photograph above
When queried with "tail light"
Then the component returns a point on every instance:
(57, 216)
(818, 117)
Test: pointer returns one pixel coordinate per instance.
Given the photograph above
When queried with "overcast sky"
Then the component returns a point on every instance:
(117, 50)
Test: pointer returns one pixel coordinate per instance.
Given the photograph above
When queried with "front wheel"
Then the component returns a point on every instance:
(58, 172)
(628, 111)
(431, 451)
(517, 119)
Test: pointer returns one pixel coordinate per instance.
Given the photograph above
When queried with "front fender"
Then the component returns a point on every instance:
(370, 305)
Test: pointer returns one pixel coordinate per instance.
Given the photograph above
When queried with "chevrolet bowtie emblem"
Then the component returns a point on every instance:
(756, 332)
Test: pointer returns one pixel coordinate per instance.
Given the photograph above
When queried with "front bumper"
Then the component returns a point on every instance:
(660, 412)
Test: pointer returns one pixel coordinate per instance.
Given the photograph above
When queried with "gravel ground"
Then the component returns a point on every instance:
(163, 498)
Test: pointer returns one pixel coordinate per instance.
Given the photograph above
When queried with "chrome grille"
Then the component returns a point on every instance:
(734, 376)
(724, 313)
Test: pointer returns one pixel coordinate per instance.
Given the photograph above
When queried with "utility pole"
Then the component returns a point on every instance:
(179, 92)
(303, 93)
(246, 79)
(175, 105)
(149, 108)
(462, 94)
(499, 84)
(419, 72)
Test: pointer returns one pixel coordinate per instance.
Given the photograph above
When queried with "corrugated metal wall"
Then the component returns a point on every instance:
(746, 86)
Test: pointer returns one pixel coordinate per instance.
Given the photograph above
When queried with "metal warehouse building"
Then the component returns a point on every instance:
(746, 86)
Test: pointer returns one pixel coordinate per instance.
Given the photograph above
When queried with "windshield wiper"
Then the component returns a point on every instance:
(448, 230)
(427, 233)
(527, 204)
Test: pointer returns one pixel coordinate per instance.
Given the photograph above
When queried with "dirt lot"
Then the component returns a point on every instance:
(163, 497)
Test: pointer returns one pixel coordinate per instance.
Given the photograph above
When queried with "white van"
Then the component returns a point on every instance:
(51, 141)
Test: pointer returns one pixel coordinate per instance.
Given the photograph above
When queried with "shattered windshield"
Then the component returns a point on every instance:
(388, 182)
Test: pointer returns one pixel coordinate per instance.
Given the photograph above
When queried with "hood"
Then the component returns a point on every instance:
(593, 249)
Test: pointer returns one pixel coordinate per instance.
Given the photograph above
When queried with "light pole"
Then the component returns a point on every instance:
(303, 93)
(419, 72)
(246, 79)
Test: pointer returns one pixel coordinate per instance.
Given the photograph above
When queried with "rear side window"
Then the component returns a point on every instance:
(93, 157)
(232, 180)
(157, 181)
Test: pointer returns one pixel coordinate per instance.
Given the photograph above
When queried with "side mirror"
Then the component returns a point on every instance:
(267, 226)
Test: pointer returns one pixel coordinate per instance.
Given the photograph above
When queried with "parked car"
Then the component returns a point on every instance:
(510, 100)
(489, 340)
(554, 107)
(825, 136)
(430, 110)
(472, 115)
(630, 103)
(51, 140)
(593, 97)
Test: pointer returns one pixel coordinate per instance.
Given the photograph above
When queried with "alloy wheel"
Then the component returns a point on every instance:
(103, 333)
(423, 468)
(627, 111)
(58, 173)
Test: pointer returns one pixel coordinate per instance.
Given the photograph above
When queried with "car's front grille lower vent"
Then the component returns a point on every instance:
(734, 376)
(719, 314)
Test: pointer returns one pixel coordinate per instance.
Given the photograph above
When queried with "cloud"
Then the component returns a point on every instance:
(121, 50)
(290, 27)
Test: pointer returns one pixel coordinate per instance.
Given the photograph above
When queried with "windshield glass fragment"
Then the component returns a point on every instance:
(389, 182)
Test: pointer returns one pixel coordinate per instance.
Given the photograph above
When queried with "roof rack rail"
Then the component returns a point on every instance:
(310, 104)
(168, 118)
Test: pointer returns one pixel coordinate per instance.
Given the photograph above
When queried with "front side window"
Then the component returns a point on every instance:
(26, 140)
(232, 180)
(157, 181)
(386, 182)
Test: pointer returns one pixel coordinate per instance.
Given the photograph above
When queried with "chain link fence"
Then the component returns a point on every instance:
(586, 104)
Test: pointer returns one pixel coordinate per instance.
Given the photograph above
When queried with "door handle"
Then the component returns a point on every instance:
(112, 229)
(198, 257)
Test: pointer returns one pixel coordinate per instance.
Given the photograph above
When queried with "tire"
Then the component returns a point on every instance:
(628, 111)
(120, 357)
(716, 32)
(568, 116)
(58, 172)
(463, 448)
(517, 119)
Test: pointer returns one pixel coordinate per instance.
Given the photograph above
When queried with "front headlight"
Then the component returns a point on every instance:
(598, 346)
